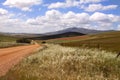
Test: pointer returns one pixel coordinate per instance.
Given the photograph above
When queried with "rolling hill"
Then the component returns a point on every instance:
(67, 34)
(21, 35)
(8, 41)
(5, 38)
(74, 29)
(108, 41)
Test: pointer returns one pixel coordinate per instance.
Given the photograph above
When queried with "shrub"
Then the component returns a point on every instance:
(43, 42)
(23, 40)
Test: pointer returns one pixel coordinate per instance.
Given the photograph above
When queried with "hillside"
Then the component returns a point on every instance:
(67, 34)
(8, 41)
(21, 35)
(74, 29)
(5, 38)
(108, 41)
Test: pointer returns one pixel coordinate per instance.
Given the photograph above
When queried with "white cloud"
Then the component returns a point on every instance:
(17, 26)
(71, 3)
(98, 7)
(97, 16)
(10, 24)
(68, 3)
(55, 20)
(118, 27)
(104, 21)
(82, 4)
(3, 11)
(24, 5)
(57, 5)
(53, 14)
(101, 17)
(90, 1)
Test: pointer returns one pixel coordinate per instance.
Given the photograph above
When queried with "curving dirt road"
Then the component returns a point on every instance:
(11, 56)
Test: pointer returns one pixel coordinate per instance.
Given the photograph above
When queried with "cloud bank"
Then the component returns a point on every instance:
(24, 5)
(55, 20)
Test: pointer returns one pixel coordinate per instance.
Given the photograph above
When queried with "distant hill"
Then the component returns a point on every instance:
(54, 36)
(69, 32)
(6, 38)
(74, 29)
(21, 35)
(108, 41)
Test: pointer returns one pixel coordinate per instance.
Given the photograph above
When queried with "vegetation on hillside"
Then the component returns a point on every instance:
(7, 38)
(55, 36)
(108, 41)
(67, 63)
(23, 40)
(9, 41)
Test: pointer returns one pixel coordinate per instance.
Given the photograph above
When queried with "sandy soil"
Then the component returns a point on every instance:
(11, 56)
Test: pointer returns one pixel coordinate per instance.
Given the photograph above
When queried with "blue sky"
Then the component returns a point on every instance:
(40, 16)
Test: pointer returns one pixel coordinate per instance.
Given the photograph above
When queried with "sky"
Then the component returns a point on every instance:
(41, 16)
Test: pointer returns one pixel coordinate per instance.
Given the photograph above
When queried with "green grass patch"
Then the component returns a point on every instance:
(7, 38)
(9, 41)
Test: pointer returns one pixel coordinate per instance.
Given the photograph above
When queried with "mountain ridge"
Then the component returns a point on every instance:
(59, 32)
(79, 30)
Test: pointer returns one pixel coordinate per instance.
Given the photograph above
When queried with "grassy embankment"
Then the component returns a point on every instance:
(67, 63)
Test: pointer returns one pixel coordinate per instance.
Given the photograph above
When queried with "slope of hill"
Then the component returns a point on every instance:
(61, 33)
(5, 38)
(74, 29)
(8, 41)
(108, 41)
(67, 34)
(21, 35)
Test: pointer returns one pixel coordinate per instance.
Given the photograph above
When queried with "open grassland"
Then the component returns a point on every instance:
(67, 63)
(108, 41)
(4, 38)
(8, 41)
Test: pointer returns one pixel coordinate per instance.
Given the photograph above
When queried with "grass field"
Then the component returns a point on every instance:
(67, 63)
(8, 41)
(6, 38)
(108, 41)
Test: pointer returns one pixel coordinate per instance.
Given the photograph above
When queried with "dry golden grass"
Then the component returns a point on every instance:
(67, 63)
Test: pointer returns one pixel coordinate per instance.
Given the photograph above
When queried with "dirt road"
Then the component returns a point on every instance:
(11, 56)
